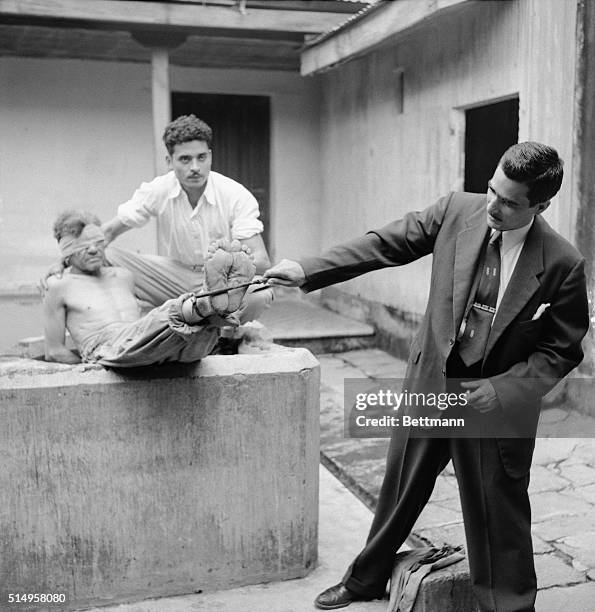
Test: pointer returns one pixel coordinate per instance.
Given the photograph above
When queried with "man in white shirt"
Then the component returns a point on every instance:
(194, 206)
(503, 325)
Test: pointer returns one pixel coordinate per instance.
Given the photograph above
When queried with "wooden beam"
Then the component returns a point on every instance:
(110, 45)
(383, 22)
(137, 13)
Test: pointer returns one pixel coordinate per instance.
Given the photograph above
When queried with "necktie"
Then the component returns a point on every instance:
(479, 320)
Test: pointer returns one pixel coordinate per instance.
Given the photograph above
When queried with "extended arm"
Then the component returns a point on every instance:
(397, 243)
(114, 228)
(54, 313)
(137, 211)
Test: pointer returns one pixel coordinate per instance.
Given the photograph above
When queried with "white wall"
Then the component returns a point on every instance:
(379, 164)
(75, 134)
(78, 134)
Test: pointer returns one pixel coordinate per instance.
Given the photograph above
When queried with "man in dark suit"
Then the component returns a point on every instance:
(506, 313)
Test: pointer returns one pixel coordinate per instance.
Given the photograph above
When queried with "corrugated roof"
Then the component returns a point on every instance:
(373, 5)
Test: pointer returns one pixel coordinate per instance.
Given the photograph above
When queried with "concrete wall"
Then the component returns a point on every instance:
(78, 134)
(171, 480)
(378, 163)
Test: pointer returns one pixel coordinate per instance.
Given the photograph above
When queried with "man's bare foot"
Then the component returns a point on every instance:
(228, 265)
(242, 271)
(218, 262)
(225, 265)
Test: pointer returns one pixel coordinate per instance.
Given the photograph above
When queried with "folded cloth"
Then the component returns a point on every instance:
(411, 567)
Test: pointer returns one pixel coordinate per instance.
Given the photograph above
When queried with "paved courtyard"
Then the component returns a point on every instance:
(562, 486)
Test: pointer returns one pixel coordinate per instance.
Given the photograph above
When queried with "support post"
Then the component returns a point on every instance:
(160, 43)
(161, 109)
(585, 157)
(161, 104)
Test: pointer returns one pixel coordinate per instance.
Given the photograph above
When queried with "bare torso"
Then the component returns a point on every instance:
(94, 302)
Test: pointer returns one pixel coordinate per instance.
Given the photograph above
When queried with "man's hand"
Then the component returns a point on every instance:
(481, 395)
(287, 273)
(55, 270)
(113, 228)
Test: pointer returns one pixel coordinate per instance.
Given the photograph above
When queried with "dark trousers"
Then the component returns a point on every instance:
(496, 513)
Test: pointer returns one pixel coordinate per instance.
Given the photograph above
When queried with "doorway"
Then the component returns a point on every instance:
(241, 139)
(489, 131)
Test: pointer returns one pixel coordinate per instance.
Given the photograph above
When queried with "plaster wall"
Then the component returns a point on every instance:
(75, 135)
(381, 160)
(78, 134)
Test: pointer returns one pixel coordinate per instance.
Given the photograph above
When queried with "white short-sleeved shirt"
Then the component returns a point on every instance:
(225, 210)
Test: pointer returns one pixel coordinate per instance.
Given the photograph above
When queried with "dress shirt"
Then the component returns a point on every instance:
(510, 250)
(225, 210)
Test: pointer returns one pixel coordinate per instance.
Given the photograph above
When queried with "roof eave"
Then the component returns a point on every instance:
(372, 27)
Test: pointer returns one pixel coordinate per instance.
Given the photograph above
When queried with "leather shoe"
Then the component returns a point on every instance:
(338, 596)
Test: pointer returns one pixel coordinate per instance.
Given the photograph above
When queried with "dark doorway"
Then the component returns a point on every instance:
(489, 131)
(241, 139)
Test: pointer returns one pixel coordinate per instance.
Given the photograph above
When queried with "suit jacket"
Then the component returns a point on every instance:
(524, 358)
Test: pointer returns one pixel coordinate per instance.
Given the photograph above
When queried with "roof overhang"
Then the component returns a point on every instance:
(252, 34)
(183, 16)
(376, 25)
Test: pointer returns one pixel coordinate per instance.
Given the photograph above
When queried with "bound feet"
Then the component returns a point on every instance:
(335, 597)
(226, 265)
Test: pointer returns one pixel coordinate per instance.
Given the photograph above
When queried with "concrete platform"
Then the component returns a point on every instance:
(299, 321)
(344, 524)
(153, 482)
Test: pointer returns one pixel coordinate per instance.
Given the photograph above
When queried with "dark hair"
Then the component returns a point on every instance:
(185, 129)
(537, 166)
(72, 222)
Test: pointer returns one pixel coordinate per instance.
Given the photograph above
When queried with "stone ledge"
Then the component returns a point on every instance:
(16, 371)
(446, 590)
